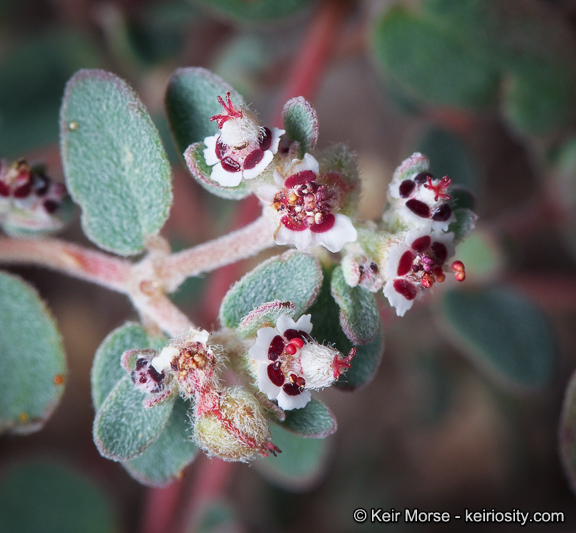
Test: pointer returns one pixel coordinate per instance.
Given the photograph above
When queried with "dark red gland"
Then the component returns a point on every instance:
(296, 334)
(292, 224)
(300, 178)
(440, 251)
(423, 177)
(141, 363)
(229, 165)
(253, 158)
(221, 149)
(155, 375)
(442, 214)
(406, 188)
(276, 348)
(51, 206)
(422, 243)
(405, 288)
(405, 264)
(23, 191)
(265, 140)
(275, 374)
(326, 225)
(4, 189)
(418, 208)
(41, 184)
(291, 389)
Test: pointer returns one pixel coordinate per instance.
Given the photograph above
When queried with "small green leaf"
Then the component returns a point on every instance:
(503, 332)
(301, 123)
(114, 162)
(292, 276)
(567, 432)
(300, 464)
(191, 100)
(464, 224)
(359, 317)
(107, 369)
(163, 462)
(63, 501)
(254, 12)
(315, 420)
(264, 315)
(461, 198)
(194, 157)
(326, 329)
(33, 362)
(123, 427)
(482, 254)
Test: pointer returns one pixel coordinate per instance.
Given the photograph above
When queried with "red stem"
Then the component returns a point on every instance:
(160, 507)
(315, 51)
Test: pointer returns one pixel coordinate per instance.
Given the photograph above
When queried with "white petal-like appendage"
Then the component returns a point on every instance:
(210, 150)
(284, 322)
(251, 173)
(266, 193)
(264, 383)
(304, 323)
(225, 178)
(335, 238)
(301, 239)
(276, 134)
(259, 349)
(287, 402)
(396, 300)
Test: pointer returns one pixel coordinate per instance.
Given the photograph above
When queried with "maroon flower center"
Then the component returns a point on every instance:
(281, 348)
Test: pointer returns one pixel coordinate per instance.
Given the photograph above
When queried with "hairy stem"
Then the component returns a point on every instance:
(225, 250)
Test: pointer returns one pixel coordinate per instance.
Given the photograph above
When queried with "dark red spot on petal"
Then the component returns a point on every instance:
(41, 184)
(296, 334)
(221, 149)
(293, 225)
(406, 188)
(23, 191)
(265, 140)
(229, 165)
(276, 348)
(155, 375)
(440, 251)
(300, 178)
(421, 243)
(423, 177)
(326, 225)
(141, 363)
(275, 374)
(51, 206)
(253, 158)
(405, 264)
(405, 288)
(4, 189)
(418, 208)
(291, 389)
(442, 213)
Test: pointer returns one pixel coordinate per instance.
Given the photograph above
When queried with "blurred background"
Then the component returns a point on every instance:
(487, 89)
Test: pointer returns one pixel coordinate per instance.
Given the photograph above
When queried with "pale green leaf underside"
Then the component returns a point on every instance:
(114, 162)
(31, 357)
(503, 332)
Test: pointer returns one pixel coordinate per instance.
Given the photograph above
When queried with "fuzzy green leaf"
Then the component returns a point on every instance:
(292, 276)
(264, 315)
(254, 12)
(194, 157)
(359, 317)
(301, 123)
(431, 64)
(107, 369)
(300, 464)
(163, 462)
(503, 332)
(33, 362)
(63, 501)
(326, 329)
(315, 420)
(114, 162)
(191, 100)
(123, 427)
(464, 224)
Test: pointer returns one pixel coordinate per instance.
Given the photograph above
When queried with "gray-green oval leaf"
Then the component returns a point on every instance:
(114, 162)
(32, 358)
(503, 332)
(315, 420)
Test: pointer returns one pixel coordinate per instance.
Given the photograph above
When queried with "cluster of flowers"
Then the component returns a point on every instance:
(29, 199)
(304, 202)
(230, 422)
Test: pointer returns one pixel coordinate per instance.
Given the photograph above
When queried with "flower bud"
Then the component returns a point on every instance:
(236, 429)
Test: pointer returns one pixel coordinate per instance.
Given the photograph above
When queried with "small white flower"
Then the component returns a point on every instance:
(243, 149)
(304, 208)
